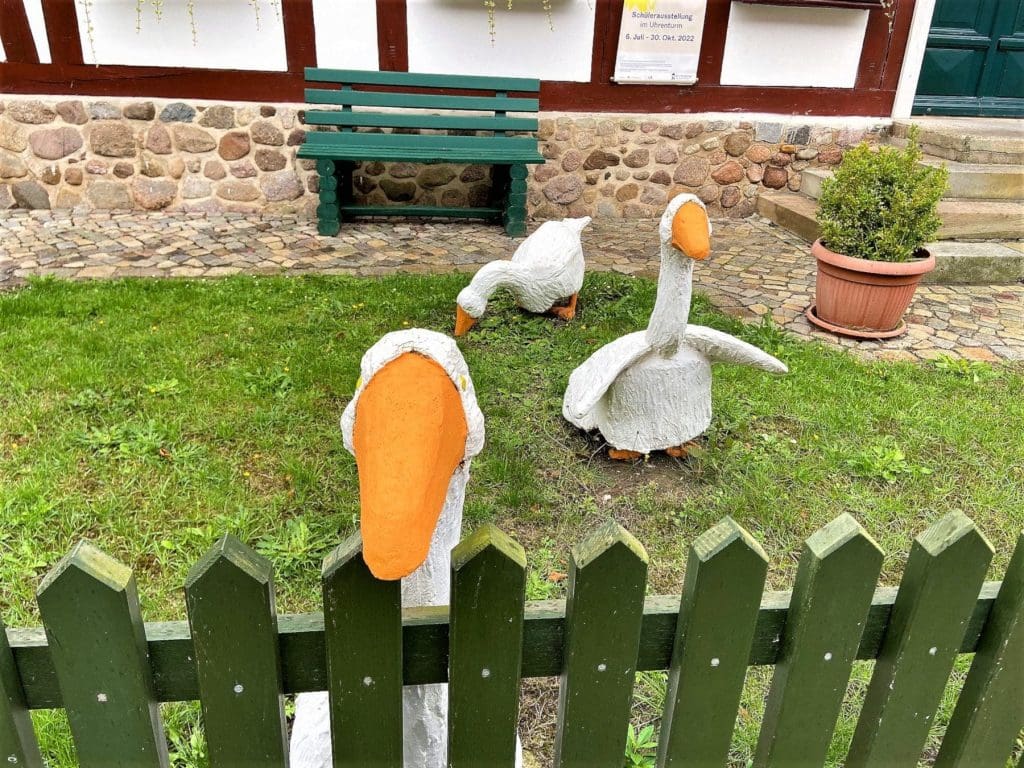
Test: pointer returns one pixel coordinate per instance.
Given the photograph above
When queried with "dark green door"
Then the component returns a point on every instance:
(974, 62)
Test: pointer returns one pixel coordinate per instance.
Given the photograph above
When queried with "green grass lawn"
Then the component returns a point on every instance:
(153, 416)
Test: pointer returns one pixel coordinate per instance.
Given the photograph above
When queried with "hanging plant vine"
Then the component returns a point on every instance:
(491, 5)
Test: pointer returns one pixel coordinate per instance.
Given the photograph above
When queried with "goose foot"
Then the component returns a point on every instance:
(568, 312)
(681, 451)
(616, 455)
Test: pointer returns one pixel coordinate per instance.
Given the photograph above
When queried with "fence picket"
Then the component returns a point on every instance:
(725, 574)
(363, 637)
(937, 593)
(486, 642)
(990, 711)
(230, 598)
(90, 609)
(607, 575)
(834, 586)
(17, 740)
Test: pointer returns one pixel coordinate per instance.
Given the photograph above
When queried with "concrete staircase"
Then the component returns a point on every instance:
(980, 240)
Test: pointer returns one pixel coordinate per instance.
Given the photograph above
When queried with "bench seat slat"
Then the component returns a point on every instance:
(399, 140)
(422, 210)
(422, 155)
(420, 100)
(433, 122)
(422, 80)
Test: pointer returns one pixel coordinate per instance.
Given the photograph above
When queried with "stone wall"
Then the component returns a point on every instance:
(101, 154)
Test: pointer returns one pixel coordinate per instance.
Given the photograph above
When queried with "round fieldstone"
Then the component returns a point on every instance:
(266, 133)
(641, 175)
(268, 110)
(807, 153)
(362, 184)
(473, 173)
(140, 110)
(453, 198)
(709, 193)
(73, 175)
(661, 176)
(433, 176)
(214, 170)
(6, 200)
(175, 167)
(296, 136)
(104, 110)
(717, 157)
(234, 145)
(108, 195)
(112, 140)
(55, 143)
(730, 196)
(754, 173)
(96, 167)
(194, 140)
(674, 131)
(398, 191)
(666, 155)
(830, 155)
(50, 175)
(694, 130)
(774, 178)
(238, 191)
(153, 194)
(572, 160)
(780, 160)
(278, 187)
(653, 196)
(478, 195)
(692, 172)
(600, 159)
(737, 143)
(638, 158)
(72, 112)
(545, 173)
(12, 136)
(31, 112)
(712, 143)
(627, 192)
(243, 169)
(152, 166)
(794, 182)
(759, 153)
(564, 189)
(194, 187)
(67, 198)
(158, 140)
(403, 170)
(270, 160)
(123, 170)
(12, 166)
(218, 116)
(177, 112)
(729, 173)
(31, 195)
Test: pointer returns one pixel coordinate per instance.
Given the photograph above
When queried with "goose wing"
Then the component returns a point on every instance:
(589, 382)
(723, 348)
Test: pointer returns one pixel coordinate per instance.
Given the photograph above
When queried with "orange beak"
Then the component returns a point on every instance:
(690, 231)
(463, 321)
(409, 437)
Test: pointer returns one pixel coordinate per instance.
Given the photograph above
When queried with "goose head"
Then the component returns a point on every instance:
(685, 228)
(470, 305)
(413, 426)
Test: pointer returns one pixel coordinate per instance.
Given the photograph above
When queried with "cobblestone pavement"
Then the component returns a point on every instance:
(756, 269)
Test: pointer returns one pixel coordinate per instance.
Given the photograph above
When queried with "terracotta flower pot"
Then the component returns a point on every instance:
(863, 298)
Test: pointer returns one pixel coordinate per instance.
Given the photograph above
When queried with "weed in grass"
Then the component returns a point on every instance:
(885, 462)
(975, 370)
(641, 747)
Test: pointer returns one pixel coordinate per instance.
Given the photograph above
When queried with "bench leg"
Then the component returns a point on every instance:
(515, 203)
(328, 213)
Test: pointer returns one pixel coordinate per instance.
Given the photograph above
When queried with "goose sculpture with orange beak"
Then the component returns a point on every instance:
(545, 270)
(651, 390)
(413, 426)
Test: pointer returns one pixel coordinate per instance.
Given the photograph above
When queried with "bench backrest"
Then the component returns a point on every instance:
(486, 94)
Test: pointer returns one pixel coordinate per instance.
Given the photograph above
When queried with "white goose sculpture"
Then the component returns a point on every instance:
(651, 390)
(414, 427)
(546, 268)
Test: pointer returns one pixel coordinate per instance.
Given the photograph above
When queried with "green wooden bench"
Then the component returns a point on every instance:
(337, 152)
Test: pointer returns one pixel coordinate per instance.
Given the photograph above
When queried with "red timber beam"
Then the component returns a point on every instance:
(392, 36)
(16, 34)
(61, 20)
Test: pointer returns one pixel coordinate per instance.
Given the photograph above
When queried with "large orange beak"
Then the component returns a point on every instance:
(463, 321)
(409, 437)
(690, 231)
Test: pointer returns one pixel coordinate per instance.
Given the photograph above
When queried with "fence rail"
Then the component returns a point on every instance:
(97, 659)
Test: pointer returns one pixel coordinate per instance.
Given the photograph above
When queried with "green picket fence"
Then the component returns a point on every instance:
(97, 659)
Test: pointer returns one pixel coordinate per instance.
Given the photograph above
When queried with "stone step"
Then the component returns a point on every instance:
(998, 141)
(792, 211)
(974, 181)
(976, 263)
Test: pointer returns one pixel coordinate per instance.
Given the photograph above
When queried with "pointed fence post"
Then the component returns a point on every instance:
(363, 635)
(486, 642)
(990, 711)
(230, 599)
(17, 739)
(718, 612)
(603, 616)
(834, 586)
(937, 595)
(97, 642)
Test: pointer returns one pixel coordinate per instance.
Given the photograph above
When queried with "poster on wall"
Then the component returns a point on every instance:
(659, 41)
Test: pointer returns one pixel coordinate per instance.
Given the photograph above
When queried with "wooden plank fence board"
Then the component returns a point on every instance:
(989, 714)
(607, 575)
(230, 598)
(486, 643)
(363, 622)
(834, 585)
(725, 574)
(937, 592)
(90, 610)
(17, 740)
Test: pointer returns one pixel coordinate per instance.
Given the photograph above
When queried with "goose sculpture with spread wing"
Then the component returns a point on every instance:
(651, 390)
(544, 271)
(413, 426)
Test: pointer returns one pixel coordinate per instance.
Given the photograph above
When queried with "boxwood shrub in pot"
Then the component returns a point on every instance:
(876, 213)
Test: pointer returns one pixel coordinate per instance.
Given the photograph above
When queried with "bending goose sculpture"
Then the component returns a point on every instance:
(545, 270)
(651, 390)
(414, 427)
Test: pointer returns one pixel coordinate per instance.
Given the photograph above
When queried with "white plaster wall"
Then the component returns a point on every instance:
(775, 45)
(451, 37)
(34, 12)
(228, 34)
(3, 53)
(346, 34)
